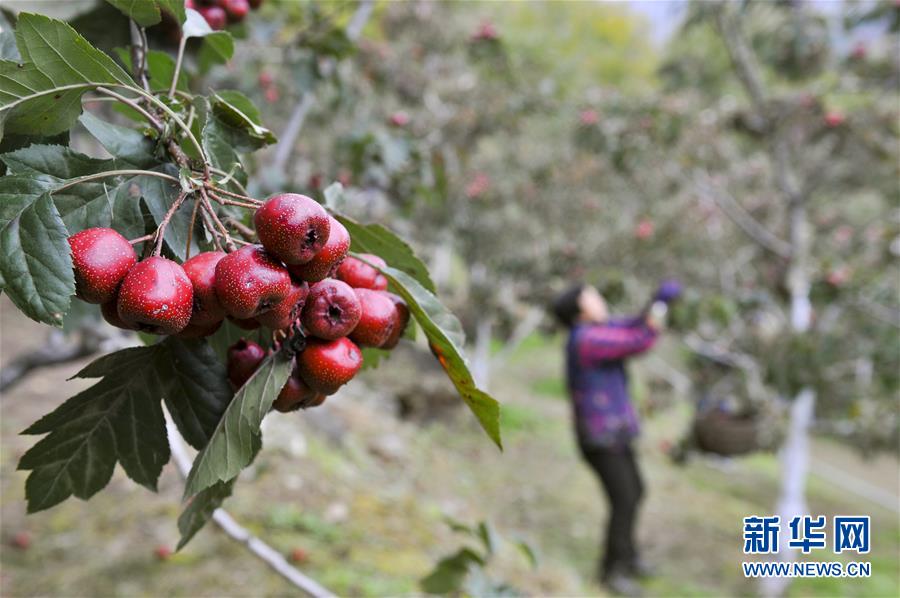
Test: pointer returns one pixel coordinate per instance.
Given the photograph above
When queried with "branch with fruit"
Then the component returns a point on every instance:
(245, 305)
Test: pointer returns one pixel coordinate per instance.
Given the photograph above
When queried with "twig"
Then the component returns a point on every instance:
(746, 222)
(232, 181)
(236, 532)
(231, 202)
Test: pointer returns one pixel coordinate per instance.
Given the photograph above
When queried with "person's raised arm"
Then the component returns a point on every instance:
(609, 343)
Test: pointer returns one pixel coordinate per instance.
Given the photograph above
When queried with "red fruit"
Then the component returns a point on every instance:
(361, 275)
(242, 360)
(190, 4)
(101, 257)
(589, 117)
(162, 552)
(215, 16)
(834, 119)
(22, 540)
(298, 555)
(345, 177)
(401, 319)
(328, 258)
(292, 227)
(285, 313)
(327, 365)
(294, 394)
(156, 297)
(236, 9)
(332, 310)
(376, 322)
(199, 330)
(644, 229)
(247, 324)
(399, 119)
(110, 313)
(249, 282)
(201, 269)
(266, 79)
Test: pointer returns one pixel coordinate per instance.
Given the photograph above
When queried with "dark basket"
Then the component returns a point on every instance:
(727, 434)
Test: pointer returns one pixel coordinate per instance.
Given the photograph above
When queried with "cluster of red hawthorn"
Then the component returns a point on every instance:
(298, 281)
(219, 13)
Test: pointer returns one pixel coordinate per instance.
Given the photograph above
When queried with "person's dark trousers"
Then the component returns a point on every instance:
(621, 479)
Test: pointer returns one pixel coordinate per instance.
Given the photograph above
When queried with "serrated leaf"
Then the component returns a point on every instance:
(112, 201)
(237, 438)
(197, 392)
(445, 338)
(118, 419)
(241, 120)
(125, 144)
(143, 12)
(36, 265)
(380, 241)
(200, 510)
(42, 95)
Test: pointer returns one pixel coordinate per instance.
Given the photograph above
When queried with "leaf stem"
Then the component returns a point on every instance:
(231, 202)
(112, 173)
(245, 231)
(232, 181)
(133, 105)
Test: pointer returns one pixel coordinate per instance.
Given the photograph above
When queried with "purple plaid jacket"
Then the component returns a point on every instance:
(598, 382)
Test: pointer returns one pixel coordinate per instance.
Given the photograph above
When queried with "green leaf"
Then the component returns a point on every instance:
(158, 195)
(237, 438)
(36, 265)
(218, 46)
(42, 96)
(197, 390)
(143, 12)
(241, 120)
(445, 337)
(200, 510)
(125, 144)
(378, 240)
(161, 69)
(118, 419)
(450, 573)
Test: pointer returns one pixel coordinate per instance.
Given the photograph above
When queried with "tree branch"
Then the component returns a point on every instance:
(743, 219)
(236, 532)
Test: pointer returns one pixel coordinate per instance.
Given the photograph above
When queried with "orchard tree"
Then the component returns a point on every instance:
(244, 305)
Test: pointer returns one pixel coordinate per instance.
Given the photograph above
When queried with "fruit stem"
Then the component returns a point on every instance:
(187, 249)
(161, 229)
(237, 195)
(245, 231)
(211, 228)
(231, 202)
(231, 180)
(142, 239)
(207, 205)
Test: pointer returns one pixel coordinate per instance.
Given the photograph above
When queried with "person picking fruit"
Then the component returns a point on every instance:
(606, 423)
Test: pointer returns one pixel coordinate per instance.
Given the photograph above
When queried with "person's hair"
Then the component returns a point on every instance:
(565, 307)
